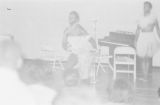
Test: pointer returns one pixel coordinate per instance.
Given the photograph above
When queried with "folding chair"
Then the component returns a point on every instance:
(103, 59)
(125, 56)
(55, 59)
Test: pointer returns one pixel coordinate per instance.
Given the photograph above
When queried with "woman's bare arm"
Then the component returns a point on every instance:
(137, 34)
(157, 28)
(82, 30)
(64, 40)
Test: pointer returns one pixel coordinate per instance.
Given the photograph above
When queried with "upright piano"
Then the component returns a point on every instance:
(119, 38)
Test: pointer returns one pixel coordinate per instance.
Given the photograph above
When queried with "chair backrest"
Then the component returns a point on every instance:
(124, 50)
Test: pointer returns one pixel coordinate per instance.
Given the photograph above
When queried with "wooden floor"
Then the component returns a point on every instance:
(145, 92)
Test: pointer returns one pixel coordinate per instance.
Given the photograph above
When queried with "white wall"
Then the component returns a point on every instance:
(34, 23)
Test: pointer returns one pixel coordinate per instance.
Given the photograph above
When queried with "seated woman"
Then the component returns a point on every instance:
(77, 41)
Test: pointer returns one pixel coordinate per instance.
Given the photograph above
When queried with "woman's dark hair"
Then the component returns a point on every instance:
(76, 14)
(148, 3)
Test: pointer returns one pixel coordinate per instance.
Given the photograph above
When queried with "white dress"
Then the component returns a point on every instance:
(78, 42)
(147, 44)
(81, 47)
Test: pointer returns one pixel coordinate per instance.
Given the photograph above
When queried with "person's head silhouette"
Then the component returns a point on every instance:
(10, 54)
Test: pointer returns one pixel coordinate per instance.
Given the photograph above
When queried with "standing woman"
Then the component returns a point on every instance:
(146, 40)
(77, 41)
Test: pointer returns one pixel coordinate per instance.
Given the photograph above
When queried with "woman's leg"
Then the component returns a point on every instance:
(148, 67)
(150, 64)
(143, 66)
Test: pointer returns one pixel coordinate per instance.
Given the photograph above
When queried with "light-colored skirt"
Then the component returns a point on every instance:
(84, 65)
(80, 46)
(147, 44)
